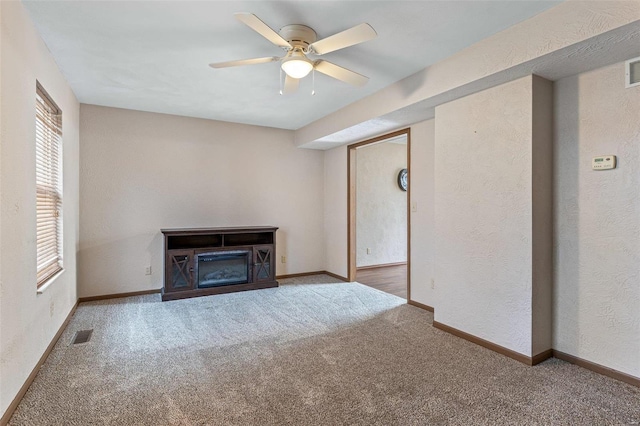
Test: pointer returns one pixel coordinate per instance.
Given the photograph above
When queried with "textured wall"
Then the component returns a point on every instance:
(422, 187)
(381, 206)
(335, 210)
(483, 215)
(141, 172)
(597, 220)
(28, 321)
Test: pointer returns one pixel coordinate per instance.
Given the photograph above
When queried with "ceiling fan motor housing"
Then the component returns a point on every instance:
(298, 35)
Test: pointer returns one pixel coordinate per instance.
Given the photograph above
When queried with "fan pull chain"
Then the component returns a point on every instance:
(281, 80)
(313, 82)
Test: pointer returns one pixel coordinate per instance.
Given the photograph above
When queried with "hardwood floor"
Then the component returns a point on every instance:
(390, 279)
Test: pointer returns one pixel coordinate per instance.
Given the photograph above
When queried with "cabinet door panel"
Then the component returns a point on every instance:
(263, 265)
(179, 275)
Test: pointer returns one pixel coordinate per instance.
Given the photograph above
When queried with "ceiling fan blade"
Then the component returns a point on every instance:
(253, 22)
(339, 73)
(244, 62)
(355, 35)
(290, 85)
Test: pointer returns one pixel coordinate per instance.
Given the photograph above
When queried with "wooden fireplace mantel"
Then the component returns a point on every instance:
(182, 248)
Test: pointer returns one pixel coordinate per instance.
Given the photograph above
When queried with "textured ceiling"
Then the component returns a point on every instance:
(153, 56)
(595, 52)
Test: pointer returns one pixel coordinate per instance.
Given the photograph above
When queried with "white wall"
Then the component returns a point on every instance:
(335, 210)
(597, 220)
(381, 206)
(484, 216)
(141, 172)
(421, 182)
(29, 321)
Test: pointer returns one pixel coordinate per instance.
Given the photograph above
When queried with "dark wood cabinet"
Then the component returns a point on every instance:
(204, 261)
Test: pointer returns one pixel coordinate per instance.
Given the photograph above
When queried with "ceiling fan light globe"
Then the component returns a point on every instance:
(297, 68)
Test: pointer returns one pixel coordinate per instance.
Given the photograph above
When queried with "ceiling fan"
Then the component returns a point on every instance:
(299, 41)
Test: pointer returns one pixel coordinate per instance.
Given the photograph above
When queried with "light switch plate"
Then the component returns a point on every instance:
(604, 162)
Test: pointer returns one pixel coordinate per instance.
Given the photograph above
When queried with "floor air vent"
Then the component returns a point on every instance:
(82, 336)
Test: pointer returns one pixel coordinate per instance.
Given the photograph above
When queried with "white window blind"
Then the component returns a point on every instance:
(48, 186)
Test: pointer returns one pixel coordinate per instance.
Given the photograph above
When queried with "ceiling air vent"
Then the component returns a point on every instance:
(632, 77)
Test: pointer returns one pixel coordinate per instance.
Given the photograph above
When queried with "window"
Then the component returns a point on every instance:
(48, 187)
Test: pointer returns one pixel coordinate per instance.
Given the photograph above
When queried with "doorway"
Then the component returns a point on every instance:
(378, 212)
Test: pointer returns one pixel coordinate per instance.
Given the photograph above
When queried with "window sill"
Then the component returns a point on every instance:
(50, 281)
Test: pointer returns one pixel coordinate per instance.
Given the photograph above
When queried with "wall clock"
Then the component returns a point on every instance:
(402, 179)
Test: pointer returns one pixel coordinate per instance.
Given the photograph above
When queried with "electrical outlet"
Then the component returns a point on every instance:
(147, 270)
(433, 283)
(283, 259)
(368, 250)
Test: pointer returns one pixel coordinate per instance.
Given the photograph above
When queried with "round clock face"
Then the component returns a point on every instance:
(402, 179)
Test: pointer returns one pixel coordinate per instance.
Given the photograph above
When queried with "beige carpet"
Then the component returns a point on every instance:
(310, 352)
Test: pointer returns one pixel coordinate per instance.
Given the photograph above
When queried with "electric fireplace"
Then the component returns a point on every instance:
(204, 261)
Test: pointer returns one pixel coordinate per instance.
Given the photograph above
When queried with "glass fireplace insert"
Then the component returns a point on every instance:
(220, 268)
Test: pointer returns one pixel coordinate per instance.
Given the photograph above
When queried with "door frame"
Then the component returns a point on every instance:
(351, 202)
